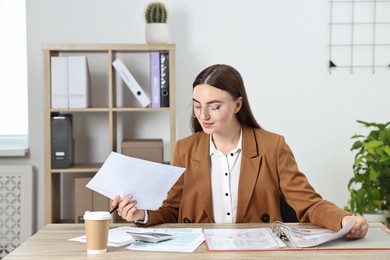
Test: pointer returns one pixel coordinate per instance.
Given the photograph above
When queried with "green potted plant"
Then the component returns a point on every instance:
(370, 185)
(156, 17)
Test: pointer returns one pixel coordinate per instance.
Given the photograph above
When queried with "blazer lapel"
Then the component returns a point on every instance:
(250, 168)
(201, 166)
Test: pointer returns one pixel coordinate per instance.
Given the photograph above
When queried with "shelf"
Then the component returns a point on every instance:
(114, 114)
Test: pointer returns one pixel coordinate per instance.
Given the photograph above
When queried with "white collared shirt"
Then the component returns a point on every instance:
(225, 174)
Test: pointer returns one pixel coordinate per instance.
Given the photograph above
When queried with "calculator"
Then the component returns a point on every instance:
(152, 237)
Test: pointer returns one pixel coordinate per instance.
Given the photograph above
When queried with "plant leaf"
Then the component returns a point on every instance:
(386, 149)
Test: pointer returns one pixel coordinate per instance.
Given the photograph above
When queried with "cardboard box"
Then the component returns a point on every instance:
(86, 199)
(146, 149)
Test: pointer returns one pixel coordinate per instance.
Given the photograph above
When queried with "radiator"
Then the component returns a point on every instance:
(16, 204)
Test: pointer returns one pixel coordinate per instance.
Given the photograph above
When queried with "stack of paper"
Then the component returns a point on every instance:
(184, 240)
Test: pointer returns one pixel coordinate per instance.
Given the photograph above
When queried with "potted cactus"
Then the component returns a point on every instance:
(156, 17)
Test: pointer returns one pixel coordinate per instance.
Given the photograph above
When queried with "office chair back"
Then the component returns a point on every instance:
(287, 212)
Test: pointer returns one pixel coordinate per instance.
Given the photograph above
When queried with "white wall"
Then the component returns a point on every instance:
(280, 47)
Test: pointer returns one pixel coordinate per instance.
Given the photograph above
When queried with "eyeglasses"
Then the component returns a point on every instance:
(211, 110)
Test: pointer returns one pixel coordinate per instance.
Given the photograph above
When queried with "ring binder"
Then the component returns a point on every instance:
(280, 230)
(131, 83)
(279, 235)
(308, 237)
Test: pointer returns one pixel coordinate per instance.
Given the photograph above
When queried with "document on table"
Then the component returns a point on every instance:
(184, 239)
(314, 237)
(267, 238)
(116, 237)
(246, 239)
(148, 182)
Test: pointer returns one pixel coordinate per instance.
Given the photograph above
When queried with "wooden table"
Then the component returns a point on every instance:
(52, 242)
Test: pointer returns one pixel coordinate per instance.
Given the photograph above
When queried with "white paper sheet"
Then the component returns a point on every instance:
(148, 182)
(184, 240)
(315, 237)
(116, 237)
(241, 239)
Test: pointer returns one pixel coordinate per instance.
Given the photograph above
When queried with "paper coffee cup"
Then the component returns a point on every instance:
(96, 231)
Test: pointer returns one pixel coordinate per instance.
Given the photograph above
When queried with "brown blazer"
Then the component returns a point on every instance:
(267, 168)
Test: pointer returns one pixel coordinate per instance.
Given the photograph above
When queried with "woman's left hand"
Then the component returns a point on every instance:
(359, 229)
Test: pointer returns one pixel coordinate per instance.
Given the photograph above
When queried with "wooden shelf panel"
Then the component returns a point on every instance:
(73, 110)
(107, 47)
(139, 109)
(105, 110)
(81, 167)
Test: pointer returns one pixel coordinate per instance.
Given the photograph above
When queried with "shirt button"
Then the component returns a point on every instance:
(226, 174)
(226, 194)
(228, 213)
(231, 154)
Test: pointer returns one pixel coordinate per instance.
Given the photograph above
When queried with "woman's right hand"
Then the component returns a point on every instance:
(127, 209)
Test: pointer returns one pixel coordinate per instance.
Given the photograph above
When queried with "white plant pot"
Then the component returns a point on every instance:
(157, 33)
(375, 217)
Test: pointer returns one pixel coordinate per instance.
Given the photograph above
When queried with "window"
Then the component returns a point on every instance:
(13, 67)
(13, 79)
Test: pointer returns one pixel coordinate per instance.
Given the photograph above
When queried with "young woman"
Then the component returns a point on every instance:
(235, 170)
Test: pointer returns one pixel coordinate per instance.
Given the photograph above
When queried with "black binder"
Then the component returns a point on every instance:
(62, 144)
(164, 76)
